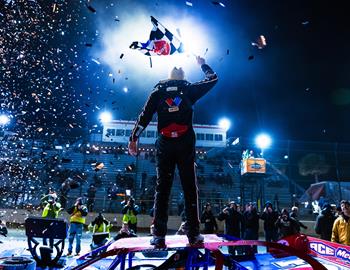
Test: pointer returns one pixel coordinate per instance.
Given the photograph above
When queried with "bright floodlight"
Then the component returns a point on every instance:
(105, 117)
(4, 119)
(224, 123)
(263, 141)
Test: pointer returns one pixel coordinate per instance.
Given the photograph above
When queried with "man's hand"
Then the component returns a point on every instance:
(200, 60)
(132, 148)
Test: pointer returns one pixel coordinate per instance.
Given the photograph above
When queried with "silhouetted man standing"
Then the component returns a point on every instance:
(173, 101)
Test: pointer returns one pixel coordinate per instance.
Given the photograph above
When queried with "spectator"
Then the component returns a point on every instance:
(270, 216)
(183, 229)
(324, 222)
(251, 225)
(234, 222)
(341, 226)
(130, 212)
(50, 193)
(209, 220)
(125, 232)
(100, 229)
(113, 197)
(52, 208)
(286, 225)
(65, 188)
(90, 194)
(77, 212)
(294, 214)
(3, 228)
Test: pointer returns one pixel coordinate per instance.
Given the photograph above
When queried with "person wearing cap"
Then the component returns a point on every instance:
(324, 222)
(50, 193)
(207, 217)
(270, 216)
(51, 210)
(294, 214)
(234, 222)
(251, 225)
(99, 226)
(77, 212)
(341, 226)
(173, 101)
(286, 224)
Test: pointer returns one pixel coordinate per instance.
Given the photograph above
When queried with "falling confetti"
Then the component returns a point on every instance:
(217, 3)
(91, 9)
(260, 43)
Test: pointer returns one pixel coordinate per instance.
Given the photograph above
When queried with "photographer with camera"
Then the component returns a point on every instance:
(270, 216)
(286, 225)
(100, 228)
(77, 212)
(234, 222)
(130, 212)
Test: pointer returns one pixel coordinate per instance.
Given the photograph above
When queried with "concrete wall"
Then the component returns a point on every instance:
(16, 217)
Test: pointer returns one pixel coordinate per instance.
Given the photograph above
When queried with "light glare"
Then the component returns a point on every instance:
(263, 141)
(105, 117)
(225, 124)
(4, 119)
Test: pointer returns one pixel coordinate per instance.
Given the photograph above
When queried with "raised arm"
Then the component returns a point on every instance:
(199, 89)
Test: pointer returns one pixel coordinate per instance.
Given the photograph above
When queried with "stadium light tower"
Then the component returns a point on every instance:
(105, 117)
(263, 141)
(225, 124)
(4, 119)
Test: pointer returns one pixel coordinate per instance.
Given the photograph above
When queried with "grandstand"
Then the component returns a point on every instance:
(104, 163)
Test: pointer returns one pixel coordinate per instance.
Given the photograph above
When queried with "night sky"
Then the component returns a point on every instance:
(64, 62)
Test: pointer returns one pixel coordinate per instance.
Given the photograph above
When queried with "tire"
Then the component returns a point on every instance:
(17, 263)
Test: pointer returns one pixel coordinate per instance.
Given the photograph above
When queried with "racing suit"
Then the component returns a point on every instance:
(173, 102)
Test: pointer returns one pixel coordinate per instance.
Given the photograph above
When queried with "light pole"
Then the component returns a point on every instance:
(263, 141)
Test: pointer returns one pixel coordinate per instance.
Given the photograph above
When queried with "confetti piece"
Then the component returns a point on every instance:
(217, 3)
(96, 61)
(260, 43)
(91, 8)
(188, 3)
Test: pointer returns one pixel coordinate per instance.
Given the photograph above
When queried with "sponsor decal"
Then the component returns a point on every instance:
(322, 248)
(171, 88)
(173, 103)
(343, 253)
(256, 166)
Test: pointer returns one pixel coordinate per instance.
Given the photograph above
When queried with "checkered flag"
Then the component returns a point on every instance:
(161, 42)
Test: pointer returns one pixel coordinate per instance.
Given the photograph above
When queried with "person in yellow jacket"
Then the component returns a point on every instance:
(100, 229)
(130, 212)
(77, 212)
(341, 226)
(51, 210)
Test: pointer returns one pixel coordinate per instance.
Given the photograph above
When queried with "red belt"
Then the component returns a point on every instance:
(174, 130)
